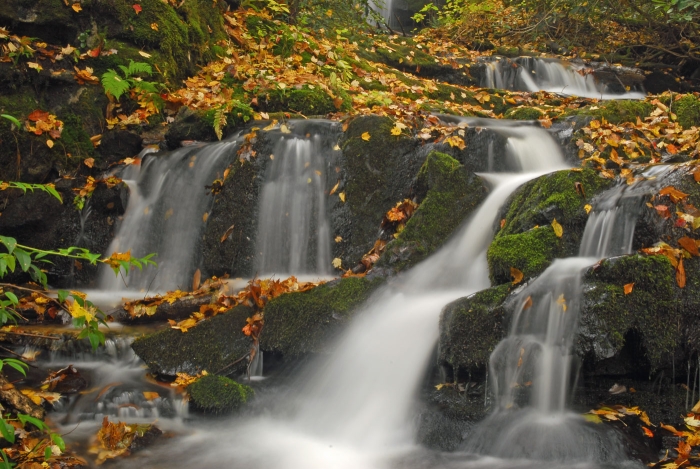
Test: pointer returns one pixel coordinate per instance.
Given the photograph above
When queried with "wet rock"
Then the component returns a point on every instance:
(119, 144)
(212, 345)
(297, 324)
(189, 125)
(527, 241)
(218, 395)
(448, 194)
(67, 380)
(39, 220)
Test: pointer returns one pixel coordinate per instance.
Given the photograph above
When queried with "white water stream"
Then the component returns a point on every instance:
(555, 76)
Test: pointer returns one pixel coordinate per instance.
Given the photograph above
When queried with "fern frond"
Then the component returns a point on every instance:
(220, 121)
(138, 67)
(114, 84)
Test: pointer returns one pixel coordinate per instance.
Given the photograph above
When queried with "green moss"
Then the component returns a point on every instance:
(470, 329)
(452, 194)
(523, 113)
(530, 252)
(687, 109)
(218, 394)
(309, 102)
(301, 323)
(649, 309)
(74, 139)
(615, 111)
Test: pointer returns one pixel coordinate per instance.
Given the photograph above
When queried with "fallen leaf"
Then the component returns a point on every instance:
(587, 208)
(680, 274)
(137, 8)
(49, 143)
(144, 54)
(150, 395)
(689, 245)
(528, 303)
(366, 136)
(558, 230)
(628, 288)
(647, 432)
(228, 232)
(335, 188)
(205, 217)
(77, 8)
(342, 196)
(517, 275)
(196, 279)
(154, 26)
(338, 239)
(89, 162)
(337, 263)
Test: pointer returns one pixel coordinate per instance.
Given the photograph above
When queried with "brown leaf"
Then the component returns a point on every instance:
(675, 195)
(579, 189)
(196, 279)
(89, 162)
(517, 275)
(228, 232)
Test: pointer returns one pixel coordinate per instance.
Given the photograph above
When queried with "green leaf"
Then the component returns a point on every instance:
(24, 259)
(24, 418)
(62, 295)
(58, 441)
(17, 365)
(51, 190)
(12, 119)
(7, 431)
(114, 84)
(47, 452)
(6, 464)
(10, 243)
(12, 297)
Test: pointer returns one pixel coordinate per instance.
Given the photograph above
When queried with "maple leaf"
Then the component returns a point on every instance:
(137, 8)
(455, 141)
(337, 263)
(587, 208)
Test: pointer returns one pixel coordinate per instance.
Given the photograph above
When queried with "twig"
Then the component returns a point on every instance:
(41, 336)
(400, 24)
(231, 364)
(17, 355)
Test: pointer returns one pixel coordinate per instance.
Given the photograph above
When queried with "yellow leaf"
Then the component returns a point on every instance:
(558, 230)
(366, 136)
(144, 54)
(335, 188)
(338, 239)
(89, 162)
(49, 143)
(78, 311)
(517, 275)
(337, 263)
(587, 208)
(628, 288)
(154, 26)
(284, 129)
(77, 8)
(205, 217)
(150, 395)
(342, 196)
(395, 131)
(561, 301)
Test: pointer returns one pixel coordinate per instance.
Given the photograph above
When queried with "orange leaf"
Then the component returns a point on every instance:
(673, 193)
(647, 432)
(689, 245)
(38, 115)
(517, 275)
(628, 288)
(528, 303)
(672, 149)
(680, 274)
(196, 279)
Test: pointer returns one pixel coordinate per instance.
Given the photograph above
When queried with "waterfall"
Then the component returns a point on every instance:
(293, 228)
(165, 215)
(533, 368)
(355, 408)
(556, 76)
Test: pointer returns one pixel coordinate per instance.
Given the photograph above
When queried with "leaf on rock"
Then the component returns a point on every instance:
(689, 245)
(680, 274)
(366, 136)
(337, 263)
(558, 230)
(628, 288)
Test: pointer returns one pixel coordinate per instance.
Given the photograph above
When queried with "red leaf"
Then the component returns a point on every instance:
(137, 8)
(94, 53)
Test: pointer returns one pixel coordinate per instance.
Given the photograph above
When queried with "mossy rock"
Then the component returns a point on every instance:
(211, 345)
(527, 241)
(652, 309)
(615, 111)
(687, 109)
(373, 175)
(530, 252)
(308, 102)
(523, 113)
(218, 394)
(451, 194)
(470, 329)
(301, 323)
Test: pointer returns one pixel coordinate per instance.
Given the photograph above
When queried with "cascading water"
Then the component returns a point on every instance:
(556, 76)
(355, 408)
(293, 228)
(167, 204)
(532, 369)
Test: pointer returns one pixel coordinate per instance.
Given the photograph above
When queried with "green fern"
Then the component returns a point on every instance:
(114, 84)
(220, 121)
(135, 68)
